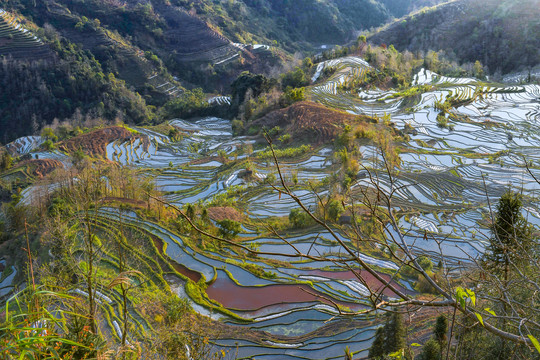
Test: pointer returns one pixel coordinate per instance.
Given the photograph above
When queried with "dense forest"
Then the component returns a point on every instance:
(500, 34)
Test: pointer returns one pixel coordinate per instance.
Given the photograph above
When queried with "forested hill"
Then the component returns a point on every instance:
(108, 59)
(88, 59)
(503, 35)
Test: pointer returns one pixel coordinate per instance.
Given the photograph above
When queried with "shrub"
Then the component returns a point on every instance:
(228, 229)
(334, 209)
(298, 218)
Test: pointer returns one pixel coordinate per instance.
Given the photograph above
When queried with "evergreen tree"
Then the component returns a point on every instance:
(511, 236)
(389, 338)
(6, 162)
(431, 350)
(441, 327)
(395, 333)
(439, 332)
(377, 350)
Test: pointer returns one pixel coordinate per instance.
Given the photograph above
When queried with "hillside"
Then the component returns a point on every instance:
(503, 35)
(17, 42)
(309, 122)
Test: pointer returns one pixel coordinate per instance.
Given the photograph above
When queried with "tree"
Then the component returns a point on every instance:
(511, 236)
(388, 338)
(431, 350)
(190, 103)
(256, 83)
(293, 95)
(229, 228)
(478, 70)
(298, 219)
(377, 349)
(294, 79)
(6, 162)
(394, 332)
(440, 330)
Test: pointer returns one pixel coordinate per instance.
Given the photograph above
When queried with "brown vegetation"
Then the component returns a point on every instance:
(42, 167)
(309, 121)
(95, 142)
(219, 213)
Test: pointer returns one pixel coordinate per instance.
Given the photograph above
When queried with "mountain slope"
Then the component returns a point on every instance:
(501, 34)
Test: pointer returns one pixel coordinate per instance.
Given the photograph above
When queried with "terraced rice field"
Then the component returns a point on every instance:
(24, 145)
(445, 179)
(442, 173)
(220, 100)
(17, 41)
(493, 132)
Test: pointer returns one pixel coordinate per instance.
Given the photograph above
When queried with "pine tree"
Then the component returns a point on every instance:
(441, 327)
(511, 236)
(389, 338)
(431, 350)
(377, 350)
(395, 333)
(439, 332)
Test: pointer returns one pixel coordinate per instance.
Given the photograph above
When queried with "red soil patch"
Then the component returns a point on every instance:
(219, 213)
(230, 295)
(309, 121)
(95, 143)
(41, 167)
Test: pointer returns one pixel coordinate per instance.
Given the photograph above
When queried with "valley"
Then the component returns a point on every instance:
(272, 214)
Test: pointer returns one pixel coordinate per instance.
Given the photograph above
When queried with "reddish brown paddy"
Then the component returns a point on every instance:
(233, 296)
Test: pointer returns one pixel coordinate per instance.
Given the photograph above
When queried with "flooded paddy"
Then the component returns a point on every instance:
(446, 176)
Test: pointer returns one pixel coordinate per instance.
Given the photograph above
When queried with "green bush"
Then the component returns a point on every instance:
(190, 103)
(291, 152)
(228, 229)
(298, 218)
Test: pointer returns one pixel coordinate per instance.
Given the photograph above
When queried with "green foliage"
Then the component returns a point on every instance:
(394, 333)
(285, 138)
(190, 103)
(6, 161)
(174, 133)
(78, 157)
(389, 339)
(75, 86)
(258, 270)
(377, 349)
(49, 134)
(273, 132)
(48, 145)
(442, 121)
(293, 95)
(511, 235)
(177, 308)
(291, 152)
(228, 229)
(294, 79)
(440, 329)
(59, 206)
(298, 218)
(431, 350)
(29, 332)
(425, 263)
(334, 209)
(246, 82)
(410, 92)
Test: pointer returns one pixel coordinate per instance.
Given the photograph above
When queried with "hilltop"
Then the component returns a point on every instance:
(502, 35)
